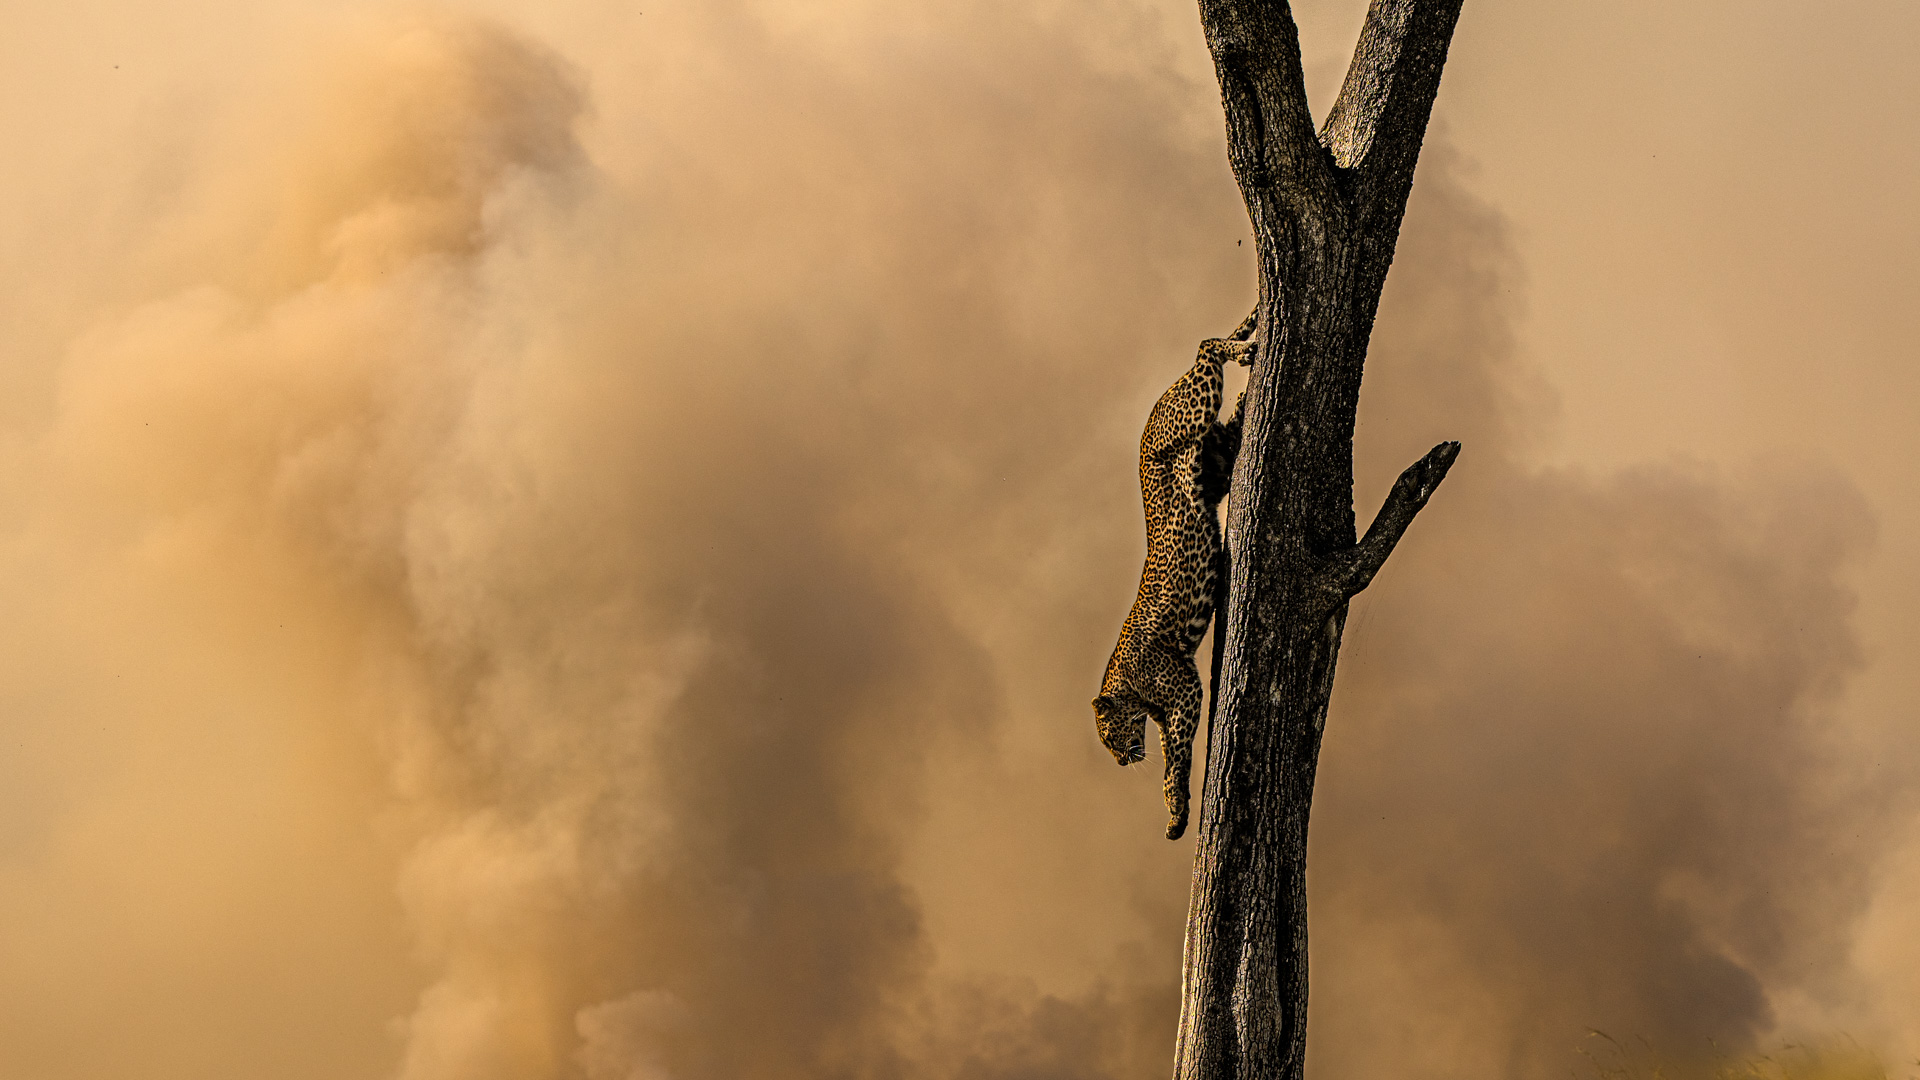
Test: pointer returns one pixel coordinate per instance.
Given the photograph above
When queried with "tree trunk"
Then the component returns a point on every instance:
(1326, 212)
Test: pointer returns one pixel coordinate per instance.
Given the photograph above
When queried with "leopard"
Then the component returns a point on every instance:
(1186, 461)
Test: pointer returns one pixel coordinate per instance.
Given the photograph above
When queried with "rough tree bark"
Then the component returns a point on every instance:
(1326, 212)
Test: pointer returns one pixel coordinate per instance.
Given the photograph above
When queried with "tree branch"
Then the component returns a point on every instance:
(1353, 569)
(1271, 142)
(1376, 126)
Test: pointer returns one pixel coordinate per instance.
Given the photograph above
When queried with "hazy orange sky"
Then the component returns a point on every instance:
(574, 540)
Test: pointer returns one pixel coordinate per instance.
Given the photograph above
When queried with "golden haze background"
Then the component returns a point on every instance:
(574, 540)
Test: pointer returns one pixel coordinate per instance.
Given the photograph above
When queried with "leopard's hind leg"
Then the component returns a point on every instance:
(1176, 740)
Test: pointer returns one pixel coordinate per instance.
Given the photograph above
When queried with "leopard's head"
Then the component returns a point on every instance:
(1122, 723)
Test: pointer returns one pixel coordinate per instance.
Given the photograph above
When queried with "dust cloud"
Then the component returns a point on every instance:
(535, 570)
(1588, 774)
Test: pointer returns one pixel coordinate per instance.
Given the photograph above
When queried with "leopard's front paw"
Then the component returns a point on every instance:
(1177, 825)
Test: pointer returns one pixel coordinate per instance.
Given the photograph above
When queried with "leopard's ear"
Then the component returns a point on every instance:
(1102, 705)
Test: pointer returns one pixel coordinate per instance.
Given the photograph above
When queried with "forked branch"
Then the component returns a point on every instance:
(1374, 131)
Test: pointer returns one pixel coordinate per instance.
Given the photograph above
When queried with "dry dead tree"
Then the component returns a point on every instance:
(1326, 210)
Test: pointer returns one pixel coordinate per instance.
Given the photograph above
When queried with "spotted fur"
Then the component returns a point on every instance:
(1186, 458)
